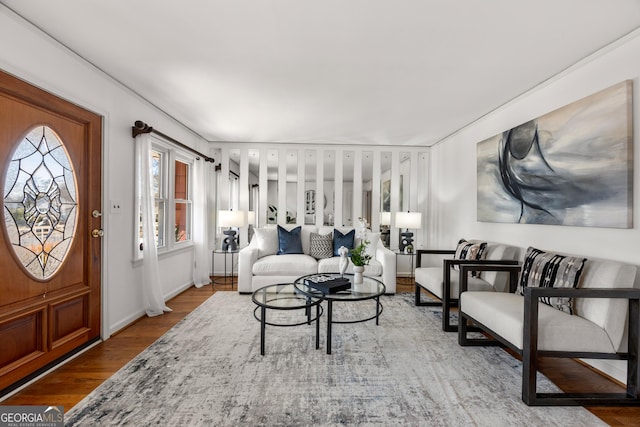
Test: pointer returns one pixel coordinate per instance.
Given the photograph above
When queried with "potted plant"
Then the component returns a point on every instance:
(359, 258)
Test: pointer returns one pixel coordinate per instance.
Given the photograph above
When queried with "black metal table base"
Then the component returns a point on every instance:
(330, 320)
(263, 322)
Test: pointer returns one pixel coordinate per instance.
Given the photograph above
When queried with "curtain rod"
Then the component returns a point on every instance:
(140, 127)
(219, 168)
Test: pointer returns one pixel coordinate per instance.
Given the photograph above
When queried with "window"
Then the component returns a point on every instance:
(40, 202)
(182, 201)
(172, 191)
(159, 193)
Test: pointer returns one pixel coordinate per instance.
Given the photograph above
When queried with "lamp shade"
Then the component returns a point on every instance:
(409, 220)
(385, 218)
(232, 218)
(251, 218)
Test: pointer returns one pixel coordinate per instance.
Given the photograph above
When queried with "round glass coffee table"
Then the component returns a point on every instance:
(370, 288)
(286, 297)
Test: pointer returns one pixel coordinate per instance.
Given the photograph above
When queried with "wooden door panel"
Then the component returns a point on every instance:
(68, 319)
(22, 338)
(44, 316)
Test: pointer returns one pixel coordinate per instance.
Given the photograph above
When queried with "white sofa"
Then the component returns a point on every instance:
(604, 325)
(259, 265)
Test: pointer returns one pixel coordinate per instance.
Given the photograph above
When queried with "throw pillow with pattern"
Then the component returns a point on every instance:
(321, 246)
(469, 251)
(551, 270)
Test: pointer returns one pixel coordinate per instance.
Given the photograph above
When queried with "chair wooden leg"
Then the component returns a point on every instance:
(633, 373)
(462, 330)
(447, 303)
(531, 397)
(529, 353)
(420, 303)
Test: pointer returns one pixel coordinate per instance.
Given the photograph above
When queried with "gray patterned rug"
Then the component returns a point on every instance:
(207, 370)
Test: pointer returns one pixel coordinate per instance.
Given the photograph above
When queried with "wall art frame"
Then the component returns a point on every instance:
(572, 166)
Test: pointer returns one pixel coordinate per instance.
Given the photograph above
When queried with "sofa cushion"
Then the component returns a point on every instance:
(332, 265)
(557, 331)
(321, 246)
(287, 265)
(266, 241)
(340, 239)
(431, 279)
(289, 241)
(551, 270)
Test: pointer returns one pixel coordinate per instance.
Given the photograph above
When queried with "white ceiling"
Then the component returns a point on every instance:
(388, 72)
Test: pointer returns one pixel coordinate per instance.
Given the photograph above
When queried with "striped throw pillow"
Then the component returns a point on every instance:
(551, 270)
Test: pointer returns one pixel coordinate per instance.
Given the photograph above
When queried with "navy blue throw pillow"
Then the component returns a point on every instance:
(345, 240)
(289, 242)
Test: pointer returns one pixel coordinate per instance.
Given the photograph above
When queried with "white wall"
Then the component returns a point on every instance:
(453, 168)
(36, 58)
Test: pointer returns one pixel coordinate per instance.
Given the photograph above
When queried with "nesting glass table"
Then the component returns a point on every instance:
(286, 297)
(369, 289)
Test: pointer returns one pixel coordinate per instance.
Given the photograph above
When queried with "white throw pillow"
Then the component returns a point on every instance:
(267, 241)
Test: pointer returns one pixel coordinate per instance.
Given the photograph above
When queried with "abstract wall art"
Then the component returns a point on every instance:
(572, 166)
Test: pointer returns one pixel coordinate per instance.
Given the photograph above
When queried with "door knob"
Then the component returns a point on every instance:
(96, 213)
(97, 233)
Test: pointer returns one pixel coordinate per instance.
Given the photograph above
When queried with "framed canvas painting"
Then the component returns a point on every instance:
(572, 166)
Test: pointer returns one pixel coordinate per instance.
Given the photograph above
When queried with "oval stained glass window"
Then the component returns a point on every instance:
(40, 202)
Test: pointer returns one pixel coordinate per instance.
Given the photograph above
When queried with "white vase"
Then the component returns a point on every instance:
(357, 274)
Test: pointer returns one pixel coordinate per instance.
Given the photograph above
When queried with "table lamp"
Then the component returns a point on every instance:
(231, 219)
(408, 220)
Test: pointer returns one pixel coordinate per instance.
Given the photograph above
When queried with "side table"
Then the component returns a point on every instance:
(411, 269)
(227, 279)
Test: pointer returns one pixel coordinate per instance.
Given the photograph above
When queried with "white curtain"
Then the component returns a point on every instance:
(151, 286)
(200, 232)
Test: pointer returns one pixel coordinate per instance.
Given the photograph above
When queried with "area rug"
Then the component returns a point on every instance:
(208, 371)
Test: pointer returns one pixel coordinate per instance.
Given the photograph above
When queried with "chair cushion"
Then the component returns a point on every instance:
(285, 265)
(289, 241)
(321, 246)
(557, 331)
(332, 265)
(431, 279)
(551, 270)
(266, 241)
(340, 239)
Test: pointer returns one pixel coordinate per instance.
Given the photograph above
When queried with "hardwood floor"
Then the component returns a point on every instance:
(68, 384)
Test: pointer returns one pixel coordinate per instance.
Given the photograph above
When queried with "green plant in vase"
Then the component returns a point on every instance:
(359, 258)
(359, 255)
